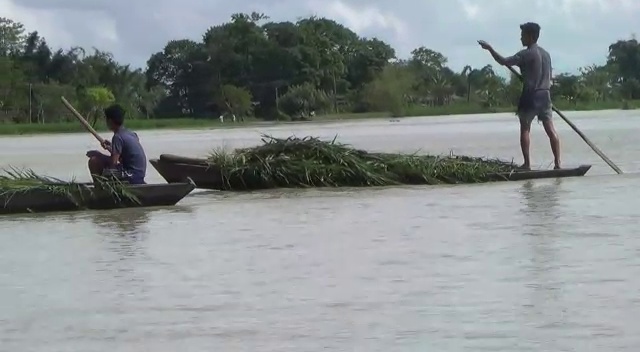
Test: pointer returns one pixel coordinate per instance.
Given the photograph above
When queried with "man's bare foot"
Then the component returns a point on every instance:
(524, 167)
(557, 167)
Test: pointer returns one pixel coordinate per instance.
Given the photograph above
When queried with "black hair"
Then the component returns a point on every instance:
(115, 113)
(531, 29)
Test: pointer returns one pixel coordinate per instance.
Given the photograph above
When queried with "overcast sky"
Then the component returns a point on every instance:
(575, 32)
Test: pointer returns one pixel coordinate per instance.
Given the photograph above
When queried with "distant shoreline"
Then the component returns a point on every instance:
(25, 129)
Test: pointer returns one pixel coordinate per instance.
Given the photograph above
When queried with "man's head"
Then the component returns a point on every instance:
(114, 116)
(529, 33)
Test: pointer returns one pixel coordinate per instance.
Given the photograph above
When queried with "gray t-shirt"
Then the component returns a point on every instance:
(132, 156)
(535, 67)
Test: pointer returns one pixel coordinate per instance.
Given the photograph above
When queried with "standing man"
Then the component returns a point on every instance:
(535, 100)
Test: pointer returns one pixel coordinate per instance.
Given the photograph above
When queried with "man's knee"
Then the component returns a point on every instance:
(96, 165)
(525, 122)
(549, 128)
(545, 116)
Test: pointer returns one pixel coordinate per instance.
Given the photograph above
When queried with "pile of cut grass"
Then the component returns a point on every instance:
(310, 162)
(16, 181)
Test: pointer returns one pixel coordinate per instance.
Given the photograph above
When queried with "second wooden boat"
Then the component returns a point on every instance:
(174, 168)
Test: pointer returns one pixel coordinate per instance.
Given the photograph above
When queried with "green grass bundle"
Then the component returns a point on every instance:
(16, 181)
(311, 162)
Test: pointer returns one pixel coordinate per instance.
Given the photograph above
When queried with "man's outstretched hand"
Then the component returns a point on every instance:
(484, 45)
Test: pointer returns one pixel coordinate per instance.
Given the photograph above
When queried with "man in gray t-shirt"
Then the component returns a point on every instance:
(535, 100)
(127, 161)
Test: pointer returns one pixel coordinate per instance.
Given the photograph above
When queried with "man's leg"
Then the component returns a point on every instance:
(554, 140)
(525, 139)
(133, 180)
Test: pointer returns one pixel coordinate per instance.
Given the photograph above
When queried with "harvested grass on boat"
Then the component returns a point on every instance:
(311, 162)
(16, 181)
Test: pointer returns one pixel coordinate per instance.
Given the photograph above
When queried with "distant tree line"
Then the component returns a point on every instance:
(250, 66)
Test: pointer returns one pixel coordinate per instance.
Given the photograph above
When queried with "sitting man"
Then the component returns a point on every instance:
(127, 161)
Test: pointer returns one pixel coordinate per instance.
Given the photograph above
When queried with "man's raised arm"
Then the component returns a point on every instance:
(515, 60)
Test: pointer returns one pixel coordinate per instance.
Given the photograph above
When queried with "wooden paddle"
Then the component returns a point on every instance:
(82, 120)
(584, 138)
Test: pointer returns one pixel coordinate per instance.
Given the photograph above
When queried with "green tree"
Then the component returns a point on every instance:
(12, 37)
(566, 87)
(391, 91)
(301, 100)
(95, 99)
(599, 79)
(235, 101)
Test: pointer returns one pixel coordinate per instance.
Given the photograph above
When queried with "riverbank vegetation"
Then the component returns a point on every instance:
(203, 123)
(251, 68)
(310, 162)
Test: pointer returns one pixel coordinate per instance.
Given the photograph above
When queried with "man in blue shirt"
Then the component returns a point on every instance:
(127, 160)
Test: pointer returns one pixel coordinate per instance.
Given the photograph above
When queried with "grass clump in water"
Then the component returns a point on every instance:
(311, 162)
(15, 182)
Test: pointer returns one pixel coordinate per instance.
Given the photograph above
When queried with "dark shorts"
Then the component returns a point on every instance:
(541, 108)
(119, 173)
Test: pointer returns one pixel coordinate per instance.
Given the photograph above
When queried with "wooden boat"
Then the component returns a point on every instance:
(174, 168)
(537, 174)
(42, 200)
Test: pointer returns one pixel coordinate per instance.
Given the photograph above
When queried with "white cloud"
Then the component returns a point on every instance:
(360, 19)
(576, 32)
(471, 10)
(36, 19)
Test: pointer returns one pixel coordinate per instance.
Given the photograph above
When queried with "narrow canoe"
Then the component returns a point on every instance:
(175, 168)
(42, 200)
(537, 174)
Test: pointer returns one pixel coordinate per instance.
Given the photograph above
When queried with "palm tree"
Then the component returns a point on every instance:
(476, 77)
(440, 89)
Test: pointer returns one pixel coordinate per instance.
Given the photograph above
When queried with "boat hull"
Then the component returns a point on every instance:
(175, 168)
(149, 195)
(538, 174)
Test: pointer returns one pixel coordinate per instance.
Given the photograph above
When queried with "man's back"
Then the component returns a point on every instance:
(536, 68)
(132, 156)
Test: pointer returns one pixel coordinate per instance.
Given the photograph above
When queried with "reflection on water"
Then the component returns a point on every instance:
(541, 201)
(122, 221)
(546, 307)
(132, 221)
(127, 221)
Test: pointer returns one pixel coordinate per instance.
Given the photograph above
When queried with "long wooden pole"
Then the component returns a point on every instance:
(82, 120)
(575, 128)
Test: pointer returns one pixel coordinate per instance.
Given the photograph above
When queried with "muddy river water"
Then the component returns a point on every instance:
(548, 265)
